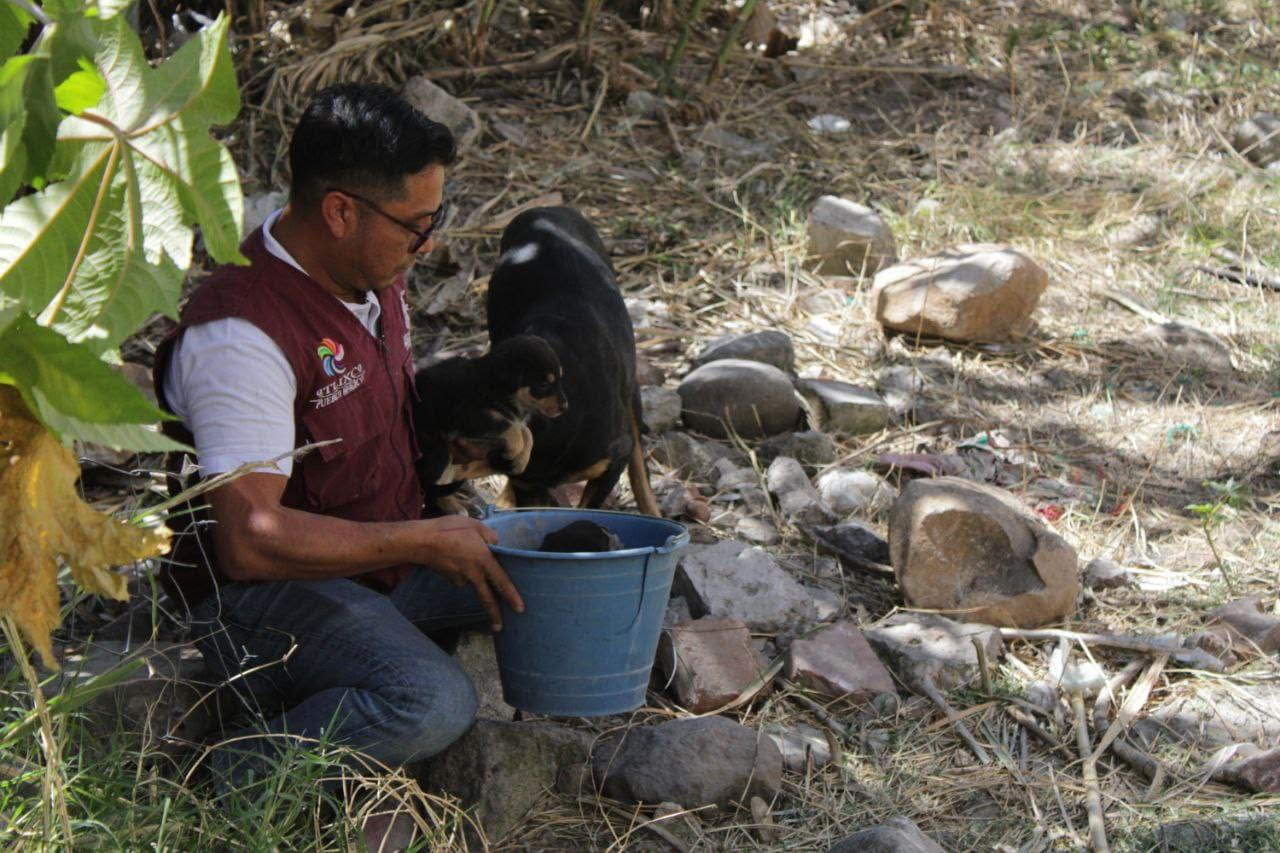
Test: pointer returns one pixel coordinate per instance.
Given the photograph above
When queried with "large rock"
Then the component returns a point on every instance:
(475, 654)
(976, 292)
(747, 397)
(692, 761)
(1257, 770)
(661, 408)
(733, 580)
(1258, 138)
(769, 347)
(440, 106)
(1180, 344)
(838, 662)
(709, 662)
(847, 237)
(842, 407)
(970, 548)
(687, 456)
(922, 647)
(809, 447)
(895, 835)
(502, 769)
(1212, 713)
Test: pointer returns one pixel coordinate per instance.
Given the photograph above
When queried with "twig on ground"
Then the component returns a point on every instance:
(1195, 658)
(935, 695)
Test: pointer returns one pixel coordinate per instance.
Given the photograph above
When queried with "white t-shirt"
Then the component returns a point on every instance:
(232, 386)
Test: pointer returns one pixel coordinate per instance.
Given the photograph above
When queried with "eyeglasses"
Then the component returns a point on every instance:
(420, 237)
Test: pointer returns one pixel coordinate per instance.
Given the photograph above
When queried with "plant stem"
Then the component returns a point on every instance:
(52, 793)
(677, 50)
(51, 313)
(31, 9)
(731, 38)
(1222, 567)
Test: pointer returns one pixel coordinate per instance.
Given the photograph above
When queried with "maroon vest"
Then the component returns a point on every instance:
(350, 386)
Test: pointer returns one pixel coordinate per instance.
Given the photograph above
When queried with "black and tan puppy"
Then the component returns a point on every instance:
(472, 414)
(554, 280)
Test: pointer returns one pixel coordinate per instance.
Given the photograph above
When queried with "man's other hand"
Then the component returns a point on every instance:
(458, 548)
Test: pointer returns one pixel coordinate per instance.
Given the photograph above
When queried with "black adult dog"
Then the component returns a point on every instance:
(472, 414)
(554, 280)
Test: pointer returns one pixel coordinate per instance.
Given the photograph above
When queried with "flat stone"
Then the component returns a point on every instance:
(767, 347)
(828, 604)
(838, 662)
(1258, 771)
(750, 398)
(922, 646)
(734, 145)
(644, 104)
(475, 654)
(800, 744)
(895, 835)
(798, 500)
(660, 408)
(847, 492)
(692, 761)
(686, 456)
(809, 447)
(709, 662)
(849, 238)
(1255, 628)
(1180, 343)
(443, 107)
(841, 407)
(854, 541)
(1206, 713)
(977, 292)
(965, 547)
(731, 579)
(1101, 573)
(756, 530)
(1258, 138)
(648, 373)
(501, 770)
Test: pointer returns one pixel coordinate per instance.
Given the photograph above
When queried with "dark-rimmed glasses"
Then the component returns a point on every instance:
(420, 237)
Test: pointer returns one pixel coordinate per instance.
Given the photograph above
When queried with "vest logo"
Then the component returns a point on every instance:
(331, 355)
(329, 394)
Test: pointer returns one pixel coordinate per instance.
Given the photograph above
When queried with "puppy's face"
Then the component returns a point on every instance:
(540, 374)
(544, 395)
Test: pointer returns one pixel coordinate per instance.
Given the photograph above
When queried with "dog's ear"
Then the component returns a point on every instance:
(470, 449)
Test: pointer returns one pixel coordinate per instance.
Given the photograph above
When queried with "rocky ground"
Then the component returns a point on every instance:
(960, 350)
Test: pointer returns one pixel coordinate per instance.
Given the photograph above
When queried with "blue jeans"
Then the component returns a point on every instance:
(336, 660)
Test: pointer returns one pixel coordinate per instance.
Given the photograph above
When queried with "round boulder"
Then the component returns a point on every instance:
(750, 398)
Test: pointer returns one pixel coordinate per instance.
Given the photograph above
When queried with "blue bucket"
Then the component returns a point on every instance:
(585, 644)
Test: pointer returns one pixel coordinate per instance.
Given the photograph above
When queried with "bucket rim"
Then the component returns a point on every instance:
(674, 542)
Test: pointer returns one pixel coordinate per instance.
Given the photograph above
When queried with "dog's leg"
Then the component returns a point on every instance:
(638, 474)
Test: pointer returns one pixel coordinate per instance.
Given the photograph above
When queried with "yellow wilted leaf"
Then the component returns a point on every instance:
(43, 520)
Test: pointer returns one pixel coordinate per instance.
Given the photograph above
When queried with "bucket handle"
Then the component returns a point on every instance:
(644, 580)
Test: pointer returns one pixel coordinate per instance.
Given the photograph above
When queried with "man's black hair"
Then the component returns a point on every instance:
(362, 138)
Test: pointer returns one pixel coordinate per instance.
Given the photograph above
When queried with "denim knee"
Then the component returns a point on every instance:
(429, 713)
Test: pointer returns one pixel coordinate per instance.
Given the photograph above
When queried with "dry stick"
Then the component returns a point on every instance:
(983, 667)
(1028, 722)
(651, 825)
(1240, 277)
(542, 61)
(1093, 798)
(1132, 704)
(935, 695)
(1195, 658)
(1149, 767)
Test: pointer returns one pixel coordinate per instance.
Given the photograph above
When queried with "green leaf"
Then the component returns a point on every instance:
(14, 24)
(73, 392)
(29, 117)
(80, 90)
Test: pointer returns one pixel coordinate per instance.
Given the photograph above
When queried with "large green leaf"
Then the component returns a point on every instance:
(73, 391)
(14, 24)
(29, 118)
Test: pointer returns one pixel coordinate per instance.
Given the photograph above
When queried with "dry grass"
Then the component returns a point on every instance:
(977, 123)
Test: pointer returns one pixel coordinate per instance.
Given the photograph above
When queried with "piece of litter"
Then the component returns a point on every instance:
(827, 123)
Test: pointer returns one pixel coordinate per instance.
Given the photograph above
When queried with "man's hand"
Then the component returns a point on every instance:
(458, 548)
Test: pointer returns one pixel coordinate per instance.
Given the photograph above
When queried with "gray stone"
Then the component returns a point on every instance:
(475, 654)
(838, 662)
(847, 492)
(1209, 713)
(895, 835)
(502, 770)
(801, 744)
(828, 604)
(978, 292)
(842, 407)
(1211, 836)
(709, 662)
(440, 106)
(849, 238)
(768, 347)
(1187, 345)
(163, 697)
(733, 144)
(692, 761)
(732, 579)
(809, 447)
(749, 398)
(660, 407)
(1258, 138)
(758, 531)
(687, 456)
(920, 647)
(964, 547)
(1252, 626)
(1101, 573)
(1257, 771)
(853, 541)
(829, 300)
(644, 104)
(1135, 232)
(798, 500)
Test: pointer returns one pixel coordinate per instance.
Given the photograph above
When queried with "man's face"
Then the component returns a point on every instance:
(382, 245)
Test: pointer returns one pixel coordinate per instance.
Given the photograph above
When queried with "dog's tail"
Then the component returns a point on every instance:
(637, 473)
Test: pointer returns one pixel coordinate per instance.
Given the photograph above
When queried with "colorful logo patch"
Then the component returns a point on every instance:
(331, 355)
